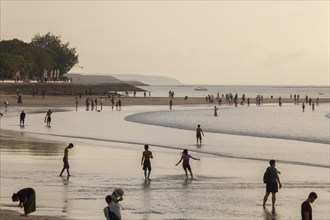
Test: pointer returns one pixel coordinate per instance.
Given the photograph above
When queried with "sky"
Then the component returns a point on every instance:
(195, 42)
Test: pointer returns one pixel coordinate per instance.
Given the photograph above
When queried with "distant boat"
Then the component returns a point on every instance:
(200, 89)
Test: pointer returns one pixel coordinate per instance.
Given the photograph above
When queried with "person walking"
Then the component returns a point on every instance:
(185, 164)
(27, 199)
(199, 133)
(22, 119)
(272, 180)
(306, 208)
(145, 161)
(66, 159)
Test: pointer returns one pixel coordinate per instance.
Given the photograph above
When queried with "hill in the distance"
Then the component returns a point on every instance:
(151, 80)
(132, 79)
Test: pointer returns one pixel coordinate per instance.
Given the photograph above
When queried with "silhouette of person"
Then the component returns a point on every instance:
(66, 159)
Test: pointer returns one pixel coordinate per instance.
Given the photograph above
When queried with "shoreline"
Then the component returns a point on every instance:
(70, 101)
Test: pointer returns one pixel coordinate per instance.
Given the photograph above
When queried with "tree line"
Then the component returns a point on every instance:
(46, 57)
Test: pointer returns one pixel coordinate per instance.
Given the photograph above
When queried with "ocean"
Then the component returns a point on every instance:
(249, 91)
(236, 148)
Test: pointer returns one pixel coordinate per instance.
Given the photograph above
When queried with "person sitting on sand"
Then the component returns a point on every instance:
(27, 199)
(185, 164)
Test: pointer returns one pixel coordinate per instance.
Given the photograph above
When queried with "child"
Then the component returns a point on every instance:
(113, 210)
(185, 164)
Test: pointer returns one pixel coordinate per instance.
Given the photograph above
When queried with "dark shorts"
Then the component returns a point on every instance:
(186, 166)
(146, 165)
(66, 163)
(272, 187)
(199, 136)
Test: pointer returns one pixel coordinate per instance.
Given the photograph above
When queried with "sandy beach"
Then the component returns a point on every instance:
(235, 179)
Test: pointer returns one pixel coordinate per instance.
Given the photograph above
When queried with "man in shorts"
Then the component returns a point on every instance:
(272, 185)
(145, 161)
(66, 159)
(199, 133)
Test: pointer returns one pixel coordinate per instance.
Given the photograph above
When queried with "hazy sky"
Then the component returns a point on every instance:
(196, 42)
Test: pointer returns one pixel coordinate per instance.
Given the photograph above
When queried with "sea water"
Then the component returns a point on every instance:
(250, 91)
(236, 148)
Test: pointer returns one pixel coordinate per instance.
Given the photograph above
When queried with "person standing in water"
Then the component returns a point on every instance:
(199, 133)
(185, 164)
(66, 159)
(272, 184)
(215, 111)
(22, 119)
(145, 161)
(48, 117)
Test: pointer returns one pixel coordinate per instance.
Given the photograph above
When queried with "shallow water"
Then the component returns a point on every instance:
(287, 122)
(107, 155)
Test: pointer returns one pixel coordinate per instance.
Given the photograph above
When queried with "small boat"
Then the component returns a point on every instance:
(200, 89)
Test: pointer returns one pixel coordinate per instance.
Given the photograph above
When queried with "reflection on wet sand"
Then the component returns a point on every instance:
(270, 215)
(19, 142)
(66, 201)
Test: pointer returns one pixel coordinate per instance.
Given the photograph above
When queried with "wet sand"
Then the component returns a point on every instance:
(11, 215)
(233, 186)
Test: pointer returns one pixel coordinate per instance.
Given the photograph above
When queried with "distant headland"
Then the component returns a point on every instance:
(132, 79)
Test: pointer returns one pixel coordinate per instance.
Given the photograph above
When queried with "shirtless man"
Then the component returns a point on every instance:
(65, 159)
(199, 133)
(145, 161)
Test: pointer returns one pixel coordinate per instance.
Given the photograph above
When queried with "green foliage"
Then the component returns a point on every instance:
(65, 57)
(30, 60)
